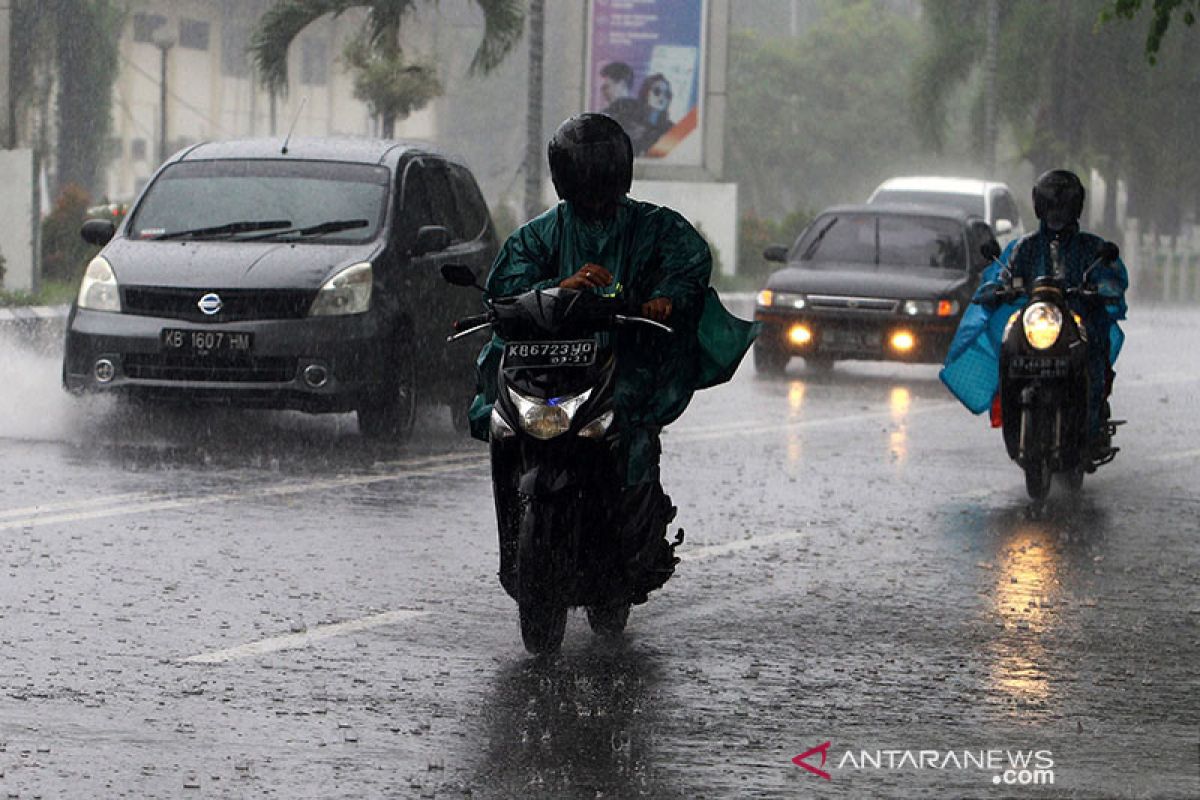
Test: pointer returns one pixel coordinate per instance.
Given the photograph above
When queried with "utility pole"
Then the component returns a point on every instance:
(989, 87)
(164, 41)
(7, 137)
(533, 115)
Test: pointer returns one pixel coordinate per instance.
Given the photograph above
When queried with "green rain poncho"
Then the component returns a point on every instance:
(651, 251)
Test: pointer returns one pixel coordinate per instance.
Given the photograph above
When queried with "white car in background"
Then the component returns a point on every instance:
(987, 199)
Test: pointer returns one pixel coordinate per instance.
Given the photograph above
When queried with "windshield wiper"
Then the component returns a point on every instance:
(332, 226)
(229, 228)
(815, 243)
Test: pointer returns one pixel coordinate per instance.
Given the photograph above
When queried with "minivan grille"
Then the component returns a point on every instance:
(236, 304)
(869, 304)
(162, 367)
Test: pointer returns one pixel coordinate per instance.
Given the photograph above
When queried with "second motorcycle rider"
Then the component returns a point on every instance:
(597, 238)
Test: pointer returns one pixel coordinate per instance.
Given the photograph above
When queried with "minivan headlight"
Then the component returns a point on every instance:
(98, 291)
(549, 418)
(918, 308)
(348, 292)
(1042, 323)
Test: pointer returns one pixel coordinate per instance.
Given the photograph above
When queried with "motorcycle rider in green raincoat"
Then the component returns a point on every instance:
(598, 238)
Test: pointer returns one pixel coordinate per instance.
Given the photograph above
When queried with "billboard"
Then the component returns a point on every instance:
(645, 68)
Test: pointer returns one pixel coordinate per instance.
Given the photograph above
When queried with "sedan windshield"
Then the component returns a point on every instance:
(899, 240)
(242, 199)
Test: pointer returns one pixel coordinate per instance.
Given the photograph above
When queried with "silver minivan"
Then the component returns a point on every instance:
(990, 200)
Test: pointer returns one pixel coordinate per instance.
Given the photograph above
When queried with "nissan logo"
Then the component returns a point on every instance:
(210, 304)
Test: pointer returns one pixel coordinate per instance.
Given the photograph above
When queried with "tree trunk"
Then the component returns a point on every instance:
(388, 124)
(533, 115)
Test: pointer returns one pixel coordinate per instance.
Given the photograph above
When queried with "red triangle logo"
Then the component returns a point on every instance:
(823, 749)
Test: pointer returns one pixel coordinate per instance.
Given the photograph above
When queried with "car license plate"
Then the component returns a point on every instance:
(841, 339)
(575, 353)
(1034, 367)
(206, 342)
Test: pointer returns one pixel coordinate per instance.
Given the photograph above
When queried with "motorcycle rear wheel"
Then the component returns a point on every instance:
(608, 621)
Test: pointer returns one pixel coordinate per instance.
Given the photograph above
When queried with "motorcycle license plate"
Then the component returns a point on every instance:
(1033, 367)
(574, 353)
(205, 342)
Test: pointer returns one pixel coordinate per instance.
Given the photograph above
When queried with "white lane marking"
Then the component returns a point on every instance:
(44, 508)
(293, 641)
(1182, 455)
(701, 552)
(751, 429)
(284, 490)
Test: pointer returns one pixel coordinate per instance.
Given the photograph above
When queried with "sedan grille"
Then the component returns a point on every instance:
(162, 367)
(881, 305)
(236, 304)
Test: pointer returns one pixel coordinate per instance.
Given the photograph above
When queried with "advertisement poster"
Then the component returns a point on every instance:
(645, 69)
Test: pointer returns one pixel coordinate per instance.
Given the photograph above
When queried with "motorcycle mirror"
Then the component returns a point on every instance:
(459, 275)
(990, 250)
(1108, 252)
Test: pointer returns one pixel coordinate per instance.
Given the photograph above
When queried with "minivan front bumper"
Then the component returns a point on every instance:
(312, 364)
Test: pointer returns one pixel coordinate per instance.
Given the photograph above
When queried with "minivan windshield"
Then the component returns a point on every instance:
(970, 203)
(894, 240)
(317, 201)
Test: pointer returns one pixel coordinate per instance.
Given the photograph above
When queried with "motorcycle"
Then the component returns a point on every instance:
(557, 467)
(1044, 396)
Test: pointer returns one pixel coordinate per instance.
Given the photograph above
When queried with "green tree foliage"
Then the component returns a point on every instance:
(1073, 94)
(824, 117)
(1161, 13)
(71, 45)
(385, 79)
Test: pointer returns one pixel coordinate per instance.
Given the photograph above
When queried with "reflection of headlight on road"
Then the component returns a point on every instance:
(1042, 323)
(549, 418)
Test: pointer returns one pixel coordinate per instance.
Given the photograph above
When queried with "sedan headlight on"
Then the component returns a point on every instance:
(918, 308)
(545, 419)
(769, 298)
(99, 290)
(1043, 323)
(348, 292)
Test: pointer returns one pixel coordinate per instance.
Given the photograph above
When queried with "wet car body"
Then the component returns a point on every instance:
(235, 319)
(894, 288)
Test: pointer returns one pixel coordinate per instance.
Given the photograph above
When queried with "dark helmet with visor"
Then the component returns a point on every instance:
(591, 160)
(1058, 198)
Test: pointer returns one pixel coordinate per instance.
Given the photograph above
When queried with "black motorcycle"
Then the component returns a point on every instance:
(557, 466)
(1044, 378)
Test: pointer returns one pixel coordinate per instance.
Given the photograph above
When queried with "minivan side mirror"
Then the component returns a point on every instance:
(776, 252)
(98, 231)
(1003, 226)
(431, 239)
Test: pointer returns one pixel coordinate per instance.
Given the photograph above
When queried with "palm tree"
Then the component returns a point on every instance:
(392, 86)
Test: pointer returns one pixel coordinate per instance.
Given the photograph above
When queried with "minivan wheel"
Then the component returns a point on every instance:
(391, 414)
(769, 360)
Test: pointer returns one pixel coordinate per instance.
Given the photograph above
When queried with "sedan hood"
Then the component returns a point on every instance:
(868, 280)
(226, 265)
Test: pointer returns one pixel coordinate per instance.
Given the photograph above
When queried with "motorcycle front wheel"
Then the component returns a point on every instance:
(541, 570)
(608, 621)
(1037, 480)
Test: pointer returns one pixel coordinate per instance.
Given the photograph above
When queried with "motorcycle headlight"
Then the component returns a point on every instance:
(1042, 323)
(549, 418)
(348, 292)
(597, 427)
(918, 308)
(498, 426)
(99, 290)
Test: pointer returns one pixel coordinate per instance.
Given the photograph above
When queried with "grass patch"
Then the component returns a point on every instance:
(52, 293)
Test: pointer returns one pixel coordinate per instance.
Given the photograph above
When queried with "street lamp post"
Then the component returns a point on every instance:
(164, 41)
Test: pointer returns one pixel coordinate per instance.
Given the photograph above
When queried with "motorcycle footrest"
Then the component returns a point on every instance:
(1106, 456)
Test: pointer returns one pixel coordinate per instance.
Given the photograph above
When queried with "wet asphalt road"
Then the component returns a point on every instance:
(218, 604)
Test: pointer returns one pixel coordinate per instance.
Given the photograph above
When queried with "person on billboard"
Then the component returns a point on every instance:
(616, 88)
(655, 100)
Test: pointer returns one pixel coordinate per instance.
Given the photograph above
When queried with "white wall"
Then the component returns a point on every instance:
(712, 207)
(16, 209)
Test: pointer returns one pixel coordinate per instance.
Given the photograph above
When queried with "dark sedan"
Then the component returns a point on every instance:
(870, 282)
(301, 276)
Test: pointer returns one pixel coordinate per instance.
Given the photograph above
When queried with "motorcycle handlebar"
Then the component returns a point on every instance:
(473, 321)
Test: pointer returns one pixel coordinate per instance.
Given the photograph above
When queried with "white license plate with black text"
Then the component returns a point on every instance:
(205, 342)
(574, 353)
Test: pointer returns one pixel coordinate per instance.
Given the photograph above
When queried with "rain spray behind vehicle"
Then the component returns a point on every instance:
(1043, 402)
(557, 466)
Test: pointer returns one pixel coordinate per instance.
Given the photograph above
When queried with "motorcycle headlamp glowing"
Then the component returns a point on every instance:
(545, 419)
(1042, 323)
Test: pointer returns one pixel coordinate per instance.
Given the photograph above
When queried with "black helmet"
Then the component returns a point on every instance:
(1058, 198)
(591, 160)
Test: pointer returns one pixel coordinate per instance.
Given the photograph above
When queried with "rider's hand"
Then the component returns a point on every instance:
(658, 309)
(590, 276)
